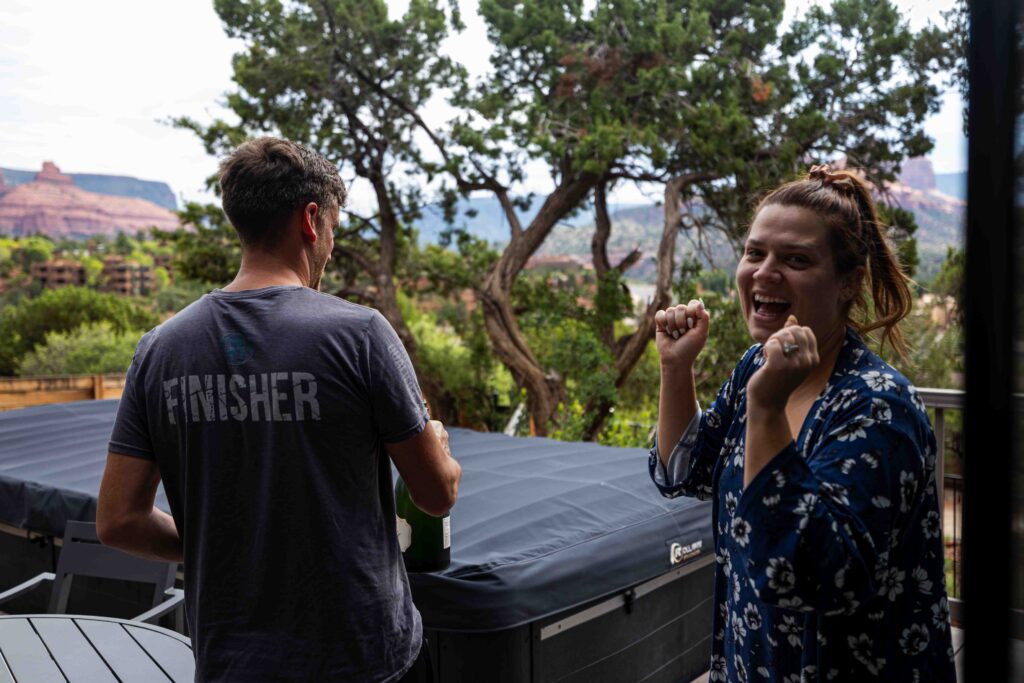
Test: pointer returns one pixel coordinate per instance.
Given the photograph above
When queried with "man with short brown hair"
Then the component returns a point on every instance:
(269, 410)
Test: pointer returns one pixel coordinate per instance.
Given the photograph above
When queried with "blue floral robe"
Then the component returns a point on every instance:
(830, 564)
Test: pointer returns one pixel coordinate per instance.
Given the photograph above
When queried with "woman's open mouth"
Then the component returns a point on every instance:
(770, 308)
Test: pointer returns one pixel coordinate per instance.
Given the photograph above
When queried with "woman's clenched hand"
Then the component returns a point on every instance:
(770, 387)
(680, 333)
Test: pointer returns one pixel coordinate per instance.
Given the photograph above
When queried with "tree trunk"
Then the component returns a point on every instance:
(544, 390)
(599, 252)
(630, 348)
(386, 301)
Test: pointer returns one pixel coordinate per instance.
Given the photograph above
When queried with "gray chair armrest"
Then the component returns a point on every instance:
(176, 597)
(25, 587)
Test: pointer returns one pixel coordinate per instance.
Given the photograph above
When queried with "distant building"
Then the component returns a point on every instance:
(58, 273)
(126, 278)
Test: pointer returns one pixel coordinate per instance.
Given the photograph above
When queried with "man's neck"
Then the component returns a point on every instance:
(257, 272)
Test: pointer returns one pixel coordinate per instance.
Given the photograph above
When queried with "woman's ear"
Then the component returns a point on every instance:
(852, 284)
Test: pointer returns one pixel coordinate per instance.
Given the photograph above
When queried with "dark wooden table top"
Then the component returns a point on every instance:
(38, 648)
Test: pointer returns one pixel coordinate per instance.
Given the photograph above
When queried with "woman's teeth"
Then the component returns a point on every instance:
(770, 304)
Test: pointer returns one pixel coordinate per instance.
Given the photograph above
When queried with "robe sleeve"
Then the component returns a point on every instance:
(691, 464)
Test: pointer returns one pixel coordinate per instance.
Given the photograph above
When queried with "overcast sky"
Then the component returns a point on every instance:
(88, 84)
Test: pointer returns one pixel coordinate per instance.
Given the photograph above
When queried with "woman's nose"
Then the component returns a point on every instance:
(767, 270)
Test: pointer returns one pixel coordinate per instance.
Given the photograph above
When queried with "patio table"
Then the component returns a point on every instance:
(39, 648)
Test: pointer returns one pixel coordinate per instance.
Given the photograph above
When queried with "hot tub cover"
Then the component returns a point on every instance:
(541, 526)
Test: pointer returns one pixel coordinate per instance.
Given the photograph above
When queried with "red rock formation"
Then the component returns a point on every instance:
(53, 206)
(918, 174)
(52, 174)
(3, 184)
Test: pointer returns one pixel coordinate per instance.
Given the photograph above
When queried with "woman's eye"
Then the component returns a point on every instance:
(798, 259)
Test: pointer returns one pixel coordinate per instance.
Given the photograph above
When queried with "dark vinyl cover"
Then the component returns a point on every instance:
(541, 526)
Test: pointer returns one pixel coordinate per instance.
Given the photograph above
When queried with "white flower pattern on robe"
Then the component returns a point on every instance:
(844, 522)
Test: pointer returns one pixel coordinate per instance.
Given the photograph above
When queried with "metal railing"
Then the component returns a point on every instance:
(950, 487)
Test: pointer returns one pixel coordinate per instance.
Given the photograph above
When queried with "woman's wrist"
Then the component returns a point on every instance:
(765, 408)
(677, 368)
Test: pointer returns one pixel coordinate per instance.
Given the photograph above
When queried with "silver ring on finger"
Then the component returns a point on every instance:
(788, 349)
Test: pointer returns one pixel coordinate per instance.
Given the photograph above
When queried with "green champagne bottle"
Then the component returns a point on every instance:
(425, 540)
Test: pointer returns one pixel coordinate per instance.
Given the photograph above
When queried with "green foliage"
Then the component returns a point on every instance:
(728, 339)
(161, 278)
(22, 252)
(93, 267)
(624, 428)
(123, 245)
(720, 95)
(936, 355)
(640, 390)
(89, 349)
(34, 249)
(449, 271)
(348, 80)
(565, 334)
(207, 251)
(24, 326)
(572, 349)
(950, 280)
(849, 78)
(958, 22)
(629, 428)
(454, 354)
(714, 96)
(612, 301)
(902, 226)
(175, 297)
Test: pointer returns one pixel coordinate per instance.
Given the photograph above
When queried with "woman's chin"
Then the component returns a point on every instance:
(760, 332)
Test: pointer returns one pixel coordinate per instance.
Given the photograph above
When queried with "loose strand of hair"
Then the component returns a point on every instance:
(890, 296)
(890, 292)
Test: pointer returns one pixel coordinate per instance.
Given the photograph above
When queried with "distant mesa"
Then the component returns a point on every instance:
(53, 204)
(121, 186)
(918, 174)
(917, 189)
(52, 174)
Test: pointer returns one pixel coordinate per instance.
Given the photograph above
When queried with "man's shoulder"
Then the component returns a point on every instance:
(302, 302)
(343, 307)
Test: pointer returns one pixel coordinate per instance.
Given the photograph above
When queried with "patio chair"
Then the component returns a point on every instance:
(83, 555)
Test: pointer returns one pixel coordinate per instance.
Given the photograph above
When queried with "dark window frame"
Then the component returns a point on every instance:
(989, 330)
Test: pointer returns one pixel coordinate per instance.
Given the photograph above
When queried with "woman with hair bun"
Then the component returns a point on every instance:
(818, 456)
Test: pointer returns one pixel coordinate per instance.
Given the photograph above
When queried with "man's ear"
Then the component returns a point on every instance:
(310, 212)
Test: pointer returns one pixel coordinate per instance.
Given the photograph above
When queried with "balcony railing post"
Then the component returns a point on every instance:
(940, 462)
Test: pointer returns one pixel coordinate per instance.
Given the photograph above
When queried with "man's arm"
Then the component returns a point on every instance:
(126, 518)
(428, 469)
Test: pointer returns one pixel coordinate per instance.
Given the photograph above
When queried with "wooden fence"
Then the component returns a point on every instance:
(20, 392)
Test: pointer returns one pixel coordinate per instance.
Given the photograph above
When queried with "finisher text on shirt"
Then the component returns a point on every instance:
(265, 397)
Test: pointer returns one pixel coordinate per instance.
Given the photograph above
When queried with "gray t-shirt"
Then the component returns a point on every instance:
(266, 411)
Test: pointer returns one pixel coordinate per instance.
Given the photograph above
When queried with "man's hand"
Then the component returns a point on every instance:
(680, 333)
(770, 387)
